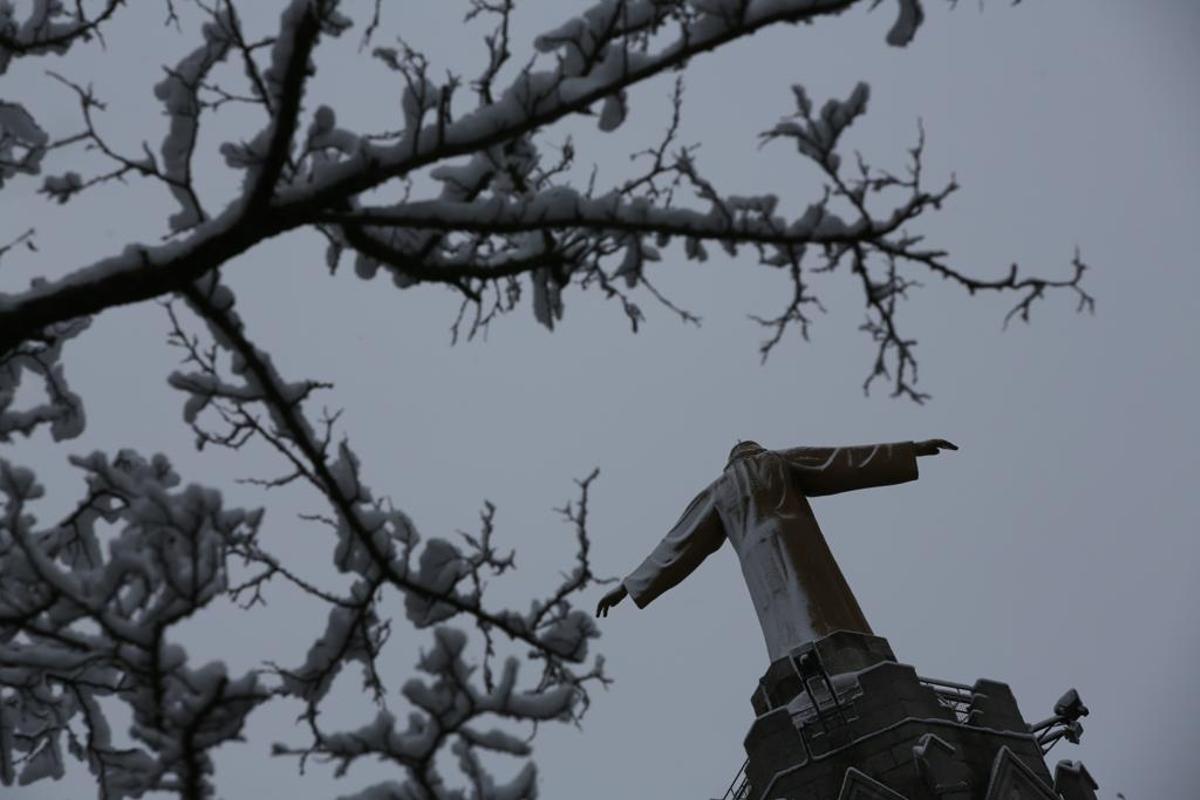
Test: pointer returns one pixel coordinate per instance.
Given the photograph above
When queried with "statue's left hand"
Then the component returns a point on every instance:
(609, 600)
(931, 447)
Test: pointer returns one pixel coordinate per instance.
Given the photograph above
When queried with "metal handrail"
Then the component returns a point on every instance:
(941, 684)
(955, 696)
(736, 790)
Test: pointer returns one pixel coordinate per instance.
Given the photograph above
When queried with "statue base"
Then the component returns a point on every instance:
(839, 718)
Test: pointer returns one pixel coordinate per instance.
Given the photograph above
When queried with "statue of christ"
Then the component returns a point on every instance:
(760, 503)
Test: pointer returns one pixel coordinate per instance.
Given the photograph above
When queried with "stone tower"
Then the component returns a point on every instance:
(839, 718)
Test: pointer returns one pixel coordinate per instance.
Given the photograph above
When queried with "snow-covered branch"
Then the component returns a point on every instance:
(380, 547)
(78, 625)
(533, 100)
(63, 409)
(50, 27)
(504, 222)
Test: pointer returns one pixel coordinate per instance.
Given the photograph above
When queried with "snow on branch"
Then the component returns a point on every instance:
(532, 101)
(77, 626)
(62, 409)
(883, 264)
(484, 232)
(440, 580)
(50, 27)
(85, 612)
(179, 93)
(22, 142)
(505, 226)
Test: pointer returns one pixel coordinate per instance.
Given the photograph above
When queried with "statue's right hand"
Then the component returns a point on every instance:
(609, 600)
(931, 447)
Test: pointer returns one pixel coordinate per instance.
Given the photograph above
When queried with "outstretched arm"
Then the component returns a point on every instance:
(698, 533)
(828, 470)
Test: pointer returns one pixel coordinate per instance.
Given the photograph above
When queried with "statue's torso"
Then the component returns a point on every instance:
(797, 589)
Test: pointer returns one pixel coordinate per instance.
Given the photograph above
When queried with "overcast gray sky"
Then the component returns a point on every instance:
(1057, 548)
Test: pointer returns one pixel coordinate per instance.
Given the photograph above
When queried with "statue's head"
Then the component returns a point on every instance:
(742, 449)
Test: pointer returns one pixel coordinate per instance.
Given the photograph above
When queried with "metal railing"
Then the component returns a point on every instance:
(739, 787)
(956, 697)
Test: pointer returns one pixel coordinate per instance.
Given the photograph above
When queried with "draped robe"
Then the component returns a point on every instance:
(760, 503)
